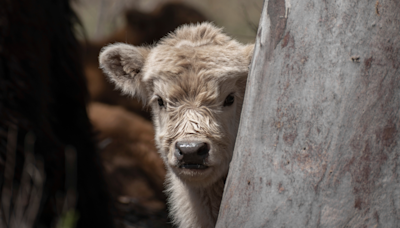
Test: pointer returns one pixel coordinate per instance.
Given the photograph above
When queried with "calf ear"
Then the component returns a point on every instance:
(248, 52)
(123, 63)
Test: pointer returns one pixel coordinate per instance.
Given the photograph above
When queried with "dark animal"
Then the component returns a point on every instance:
(43, 91)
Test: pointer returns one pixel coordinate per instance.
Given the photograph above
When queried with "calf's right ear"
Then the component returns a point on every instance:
(123, 63)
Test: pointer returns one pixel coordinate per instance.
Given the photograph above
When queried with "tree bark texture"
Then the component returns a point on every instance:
(319, 138)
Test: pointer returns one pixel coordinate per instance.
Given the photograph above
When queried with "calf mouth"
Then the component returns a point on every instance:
(192, 166)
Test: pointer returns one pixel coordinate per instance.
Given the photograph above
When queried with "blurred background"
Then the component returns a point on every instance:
(101, 18)
(123, 133)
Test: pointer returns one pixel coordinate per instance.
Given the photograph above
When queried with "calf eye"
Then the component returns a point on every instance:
(160, 102)
(229, 100)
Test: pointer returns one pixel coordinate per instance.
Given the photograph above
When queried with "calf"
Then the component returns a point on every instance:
(194, 81)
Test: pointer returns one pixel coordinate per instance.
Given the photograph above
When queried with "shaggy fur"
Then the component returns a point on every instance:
(192, 71)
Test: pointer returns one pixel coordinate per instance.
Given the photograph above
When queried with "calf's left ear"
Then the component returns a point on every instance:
(123, 63)
(247, 55)
(248, 52)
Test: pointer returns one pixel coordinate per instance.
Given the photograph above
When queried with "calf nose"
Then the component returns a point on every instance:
(191, 151)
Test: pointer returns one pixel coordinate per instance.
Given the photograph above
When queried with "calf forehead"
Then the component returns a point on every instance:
(208, 60)
(198, 69)
(189, 88)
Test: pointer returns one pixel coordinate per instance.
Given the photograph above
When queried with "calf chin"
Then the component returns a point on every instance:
(200, 178)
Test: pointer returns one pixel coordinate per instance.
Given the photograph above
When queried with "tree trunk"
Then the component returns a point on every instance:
(319, 142)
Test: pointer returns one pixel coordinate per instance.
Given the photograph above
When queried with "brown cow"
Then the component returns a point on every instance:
(134, 171)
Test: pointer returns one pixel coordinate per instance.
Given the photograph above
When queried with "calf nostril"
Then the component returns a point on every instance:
(178, 154)
(203, 150)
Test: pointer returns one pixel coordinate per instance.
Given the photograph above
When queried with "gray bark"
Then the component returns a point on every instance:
(319, 141)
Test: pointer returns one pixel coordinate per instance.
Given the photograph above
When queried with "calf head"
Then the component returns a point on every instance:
(194, 81)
